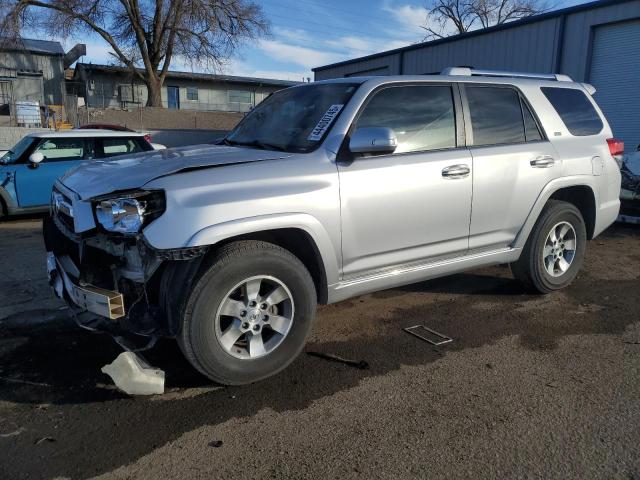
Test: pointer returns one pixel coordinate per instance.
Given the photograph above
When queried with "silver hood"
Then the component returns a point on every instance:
(100, 177)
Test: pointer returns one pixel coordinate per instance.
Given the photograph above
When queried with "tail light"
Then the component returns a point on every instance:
(147, 137)
(616, 147)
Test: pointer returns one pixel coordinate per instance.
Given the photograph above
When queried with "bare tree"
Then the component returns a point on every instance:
(148, 34)
(452, 17)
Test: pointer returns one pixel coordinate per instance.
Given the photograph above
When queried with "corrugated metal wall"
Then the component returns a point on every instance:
(497, 50)
(615, 71)
(560, 44)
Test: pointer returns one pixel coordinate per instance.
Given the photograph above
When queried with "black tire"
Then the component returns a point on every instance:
(231, 265)
(530, 267)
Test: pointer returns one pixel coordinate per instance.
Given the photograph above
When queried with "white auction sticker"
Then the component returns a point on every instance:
(324, 123)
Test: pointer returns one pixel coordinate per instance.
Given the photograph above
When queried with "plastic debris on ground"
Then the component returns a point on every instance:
(134, 376)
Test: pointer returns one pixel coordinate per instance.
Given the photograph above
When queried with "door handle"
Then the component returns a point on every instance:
(543, 161)
(456, 171)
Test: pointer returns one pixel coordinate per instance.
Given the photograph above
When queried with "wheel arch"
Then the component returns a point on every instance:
(578, 191)
(301, 234)
(583, 198)
(5, 201)
(299, 243)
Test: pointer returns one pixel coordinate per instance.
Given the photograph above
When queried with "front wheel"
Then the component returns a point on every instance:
(554, 251)
(249, 314)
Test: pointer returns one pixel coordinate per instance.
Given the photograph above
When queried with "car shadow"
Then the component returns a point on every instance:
(59, 366)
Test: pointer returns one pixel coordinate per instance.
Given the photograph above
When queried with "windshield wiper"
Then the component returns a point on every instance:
(255, 143)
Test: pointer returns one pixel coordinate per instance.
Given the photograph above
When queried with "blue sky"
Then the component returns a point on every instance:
(310, 33)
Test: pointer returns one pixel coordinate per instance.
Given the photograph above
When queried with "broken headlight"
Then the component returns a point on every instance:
(129, 213)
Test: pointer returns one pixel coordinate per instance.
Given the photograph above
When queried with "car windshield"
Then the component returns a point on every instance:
(18, 149)
(292, 120)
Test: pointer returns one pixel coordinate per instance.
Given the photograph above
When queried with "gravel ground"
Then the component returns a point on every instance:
(531, 387)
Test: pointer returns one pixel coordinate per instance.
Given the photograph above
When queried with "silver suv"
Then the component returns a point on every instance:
(330, 190)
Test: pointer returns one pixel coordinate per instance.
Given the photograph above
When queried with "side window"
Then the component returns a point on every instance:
(531, 130)
(119, 146)
(62, 149)
(575, 110)
(496, 115)
(422, 117)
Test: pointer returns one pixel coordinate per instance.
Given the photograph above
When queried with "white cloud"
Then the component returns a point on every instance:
(359, 46)
(241, 68)
(303, 56)
(410, 16)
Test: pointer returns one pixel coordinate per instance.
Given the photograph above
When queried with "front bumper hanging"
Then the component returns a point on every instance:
(106, 303)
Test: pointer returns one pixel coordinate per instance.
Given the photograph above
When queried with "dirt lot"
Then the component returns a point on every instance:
(532, 386)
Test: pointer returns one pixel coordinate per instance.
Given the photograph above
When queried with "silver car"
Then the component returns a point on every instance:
(330, 190)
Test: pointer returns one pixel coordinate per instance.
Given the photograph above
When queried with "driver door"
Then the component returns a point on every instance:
(406, 207)
(34, 182)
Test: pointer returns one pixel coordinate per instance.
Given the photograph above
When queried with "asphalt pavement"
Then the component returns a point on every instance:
(531, 387)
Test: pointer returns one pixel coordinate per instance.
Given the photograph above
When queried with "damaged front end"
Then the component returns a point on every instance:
(107, 272)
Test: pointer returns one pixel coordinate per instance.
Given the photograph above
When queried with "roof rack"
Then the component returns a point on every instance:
(468, 72)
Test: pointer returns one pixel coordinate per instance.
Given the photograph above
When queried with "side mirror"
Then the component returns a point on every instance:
(373, 140)
(35, 158)
(638, 148)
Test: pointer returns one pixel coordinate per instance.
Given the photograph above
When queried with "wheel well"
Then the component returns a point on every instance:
(301, 245)
(583, 198)
(3, 207)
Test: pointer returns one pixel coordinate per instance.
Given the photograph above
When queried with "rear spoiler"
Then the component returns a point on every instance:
(589, 88)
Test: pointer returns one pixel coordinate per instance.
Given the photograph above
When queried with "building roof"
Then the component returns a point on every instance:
(43, 47)
(503, 26)
(172, 74)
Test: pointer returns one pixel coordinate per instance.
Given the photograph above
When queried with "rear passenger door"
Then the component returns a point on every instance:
(512, 162)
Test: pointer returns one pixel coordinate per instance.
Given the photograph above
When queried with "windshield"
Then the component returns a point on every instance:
(17, 150)
(293, 120)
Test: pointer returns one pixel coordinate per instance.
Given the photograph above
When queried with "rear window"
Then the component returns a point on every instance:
(575, 110)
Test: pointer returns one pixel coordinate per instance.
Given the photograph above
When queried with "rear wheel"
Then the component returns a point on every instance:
(554, 251)
(249, 314)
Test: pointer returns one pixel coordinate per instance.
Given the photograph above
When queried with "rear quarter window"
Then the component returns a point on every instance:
(575, 110)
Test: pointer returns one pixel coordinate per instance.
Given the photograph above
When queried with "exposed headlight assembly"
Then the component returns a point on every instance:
(128, 213)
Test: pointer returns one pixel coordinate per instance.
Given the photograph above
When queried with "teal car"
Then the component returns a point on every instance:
(29, 170)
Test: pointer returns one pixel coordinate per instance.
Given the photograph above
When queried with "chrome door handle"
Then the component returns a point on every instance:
(456, 171)
(543, 161)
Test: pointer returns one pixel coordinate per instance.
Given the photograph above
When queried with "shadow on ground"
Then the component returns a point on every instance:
(52, 369)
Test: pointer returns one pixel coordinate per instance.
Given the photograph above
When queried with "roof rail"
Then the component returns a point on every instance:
(468, 72)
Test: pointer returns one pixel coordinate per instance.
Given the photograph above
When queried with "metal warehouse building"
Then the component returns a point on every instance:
(597, 42)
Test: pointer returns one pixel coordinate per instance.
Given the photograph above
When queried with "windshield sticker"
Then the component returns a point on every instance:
(324, 123)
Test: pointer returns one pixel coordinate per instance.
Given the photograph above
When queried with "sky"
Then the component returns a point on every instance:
(311, 33)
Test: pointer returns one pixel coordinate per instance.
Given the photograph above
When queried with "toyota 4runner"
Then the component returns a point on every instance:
(329, 190)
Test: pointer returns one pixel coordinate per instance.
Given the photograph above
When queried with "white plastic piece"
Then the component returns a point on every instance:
(134, 376)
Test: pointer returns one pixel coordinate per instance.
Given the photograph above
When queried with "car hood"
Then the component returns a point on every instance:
(100, 177)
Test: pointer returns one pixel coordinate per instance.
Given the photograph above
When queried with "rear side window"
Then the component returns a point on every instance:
(120, 146)
(422, 117)
(496, 115)
(575, 110)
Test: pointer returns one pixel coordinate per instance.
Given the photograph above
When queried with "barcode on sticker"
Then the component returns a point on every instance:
(324, 123)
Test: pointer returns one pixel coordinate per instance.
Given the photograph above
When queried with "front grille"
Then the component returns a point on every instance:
(59, 240)
(62, 208)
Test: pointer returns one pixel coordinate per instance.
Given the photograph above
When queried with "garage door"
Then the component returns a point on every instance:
(615, 72)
